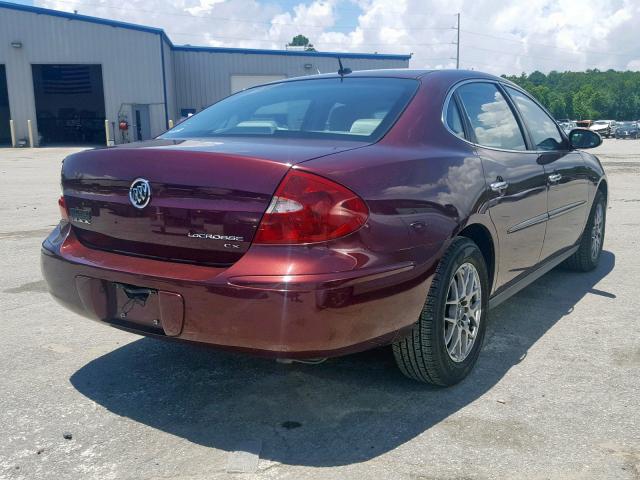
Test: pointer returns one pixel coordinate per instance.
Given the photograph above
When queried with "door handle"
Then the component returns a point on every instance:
(555, 178)
(499, 187)
(418, 226)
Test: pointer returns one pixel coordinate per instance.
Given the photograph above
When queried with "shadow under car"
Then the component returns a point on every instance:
(346, 410)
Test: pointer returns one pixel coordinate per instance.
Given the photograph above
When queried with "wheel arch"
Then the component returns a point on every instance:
(483, 238)
(603, 188)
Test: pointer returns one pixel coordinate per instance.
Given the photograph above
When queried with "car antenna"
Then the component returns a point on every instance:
(342, 71)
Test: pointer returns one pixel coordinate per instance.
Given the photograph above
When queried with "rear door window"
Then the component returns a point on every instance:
(454, 120)
(494, 124)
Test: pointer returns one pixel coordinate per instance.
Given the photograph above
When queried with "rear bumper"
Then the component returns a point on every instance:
(311, 315)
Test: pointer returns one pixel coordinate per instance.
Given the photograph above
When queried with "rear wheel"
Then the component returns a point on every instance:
(587, 256)
(445, 342)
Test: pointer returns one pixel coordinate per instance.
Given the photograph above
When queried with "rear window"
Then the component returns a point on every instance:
(349, 108)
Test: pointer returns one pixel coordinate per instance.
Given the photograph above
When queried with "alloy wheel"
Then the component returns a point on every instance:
(463, 311)
(597, 231)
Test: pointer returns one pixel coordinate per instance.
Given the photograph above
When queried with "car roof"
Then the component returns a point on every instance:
(451, 75)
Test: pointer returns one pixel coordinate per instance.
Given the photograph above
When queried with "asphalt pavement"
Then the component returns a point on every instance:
(556, 392)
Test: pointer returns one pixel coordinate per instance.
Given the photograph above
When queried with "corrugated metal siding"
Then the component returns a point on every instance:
(170, 82)
(131, 62)
(203, 78)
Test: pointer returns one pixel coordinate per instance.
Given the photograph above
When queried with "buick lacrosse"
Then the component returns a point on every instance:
(319, 216)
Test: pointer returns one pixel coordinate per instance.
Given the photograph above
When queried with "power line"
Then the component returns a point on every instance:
(458, 43)
(335, 7)
(565, 66)
(266, 40)
(526, 55)
(524, 42)
(242, 20)
(515, 54)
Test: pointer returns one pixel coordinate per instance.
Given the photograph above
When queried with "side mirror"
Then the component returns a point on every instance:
(583, 138)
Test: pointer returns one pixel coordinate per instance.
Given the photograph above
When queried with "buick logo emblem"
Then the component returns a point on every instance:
(140, 193)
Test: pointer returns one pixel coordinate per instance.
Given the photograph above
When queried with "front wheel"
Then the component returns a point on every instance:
(587, 256)
(445, 342)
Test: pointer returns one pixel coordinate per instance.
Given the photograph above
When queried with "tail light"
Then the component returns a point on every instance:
(63, 209)
(307, 208)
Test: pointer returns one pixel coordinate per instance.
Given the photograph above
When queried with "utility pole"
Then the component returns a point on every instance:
(458, 44)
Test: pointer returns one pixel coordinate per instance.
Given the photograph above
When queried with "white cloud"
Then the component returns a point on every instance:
(500, 36)
(204, 6)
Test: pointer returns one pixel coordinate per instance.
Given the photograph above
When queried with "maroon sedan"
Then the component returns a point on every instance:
(324, 215)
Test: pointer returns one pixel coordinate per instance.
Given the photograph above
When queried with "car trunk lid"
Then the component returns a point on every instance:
(207, 197)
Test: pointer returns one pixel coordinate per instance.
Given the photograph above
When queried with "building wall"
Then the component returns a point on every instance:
(172, 113)
(130, 59)
(141, 66)
(203, 77)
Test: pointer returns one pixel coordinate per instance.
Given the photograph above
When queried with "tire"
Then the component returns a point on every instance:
(423, 355)
(587, 256)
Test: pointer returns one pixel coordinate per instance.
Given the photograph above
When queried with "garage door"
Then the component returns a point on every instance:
(240, 82)
(5, 136)
(69, 103)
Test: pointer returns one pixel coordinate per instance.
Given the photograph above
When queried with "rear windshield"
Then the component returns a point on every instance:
(349, 108)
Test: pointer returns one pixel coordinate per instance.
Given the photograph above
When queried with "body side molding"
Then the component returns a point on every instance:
(530, 277)
(556, 212)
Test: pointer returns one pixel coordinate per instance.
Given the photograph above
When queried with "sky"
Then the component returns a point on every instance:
(497, 36)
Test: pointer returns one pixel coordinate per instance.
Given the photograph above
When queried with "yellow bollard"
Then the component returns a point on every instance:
(12, 127)
(170, 124)
(30, 128)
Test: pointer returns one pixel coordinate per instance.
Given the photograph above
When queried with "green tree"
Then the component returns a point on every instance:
(585, 95)
(538, 78)
(302, 41)
(582, 103)
(557, 105)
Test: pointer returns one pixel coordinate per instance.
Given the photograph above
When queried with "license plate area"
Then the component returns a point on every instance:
(136, 304)
(133, 306)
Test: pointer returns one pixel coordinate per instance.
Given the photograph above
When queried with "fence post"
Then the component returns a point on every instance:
(30, 128)
(12, 127)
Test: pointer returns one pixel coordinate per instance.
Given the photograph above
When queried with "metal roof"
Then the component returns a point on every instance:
(261, 51)
(159, 31)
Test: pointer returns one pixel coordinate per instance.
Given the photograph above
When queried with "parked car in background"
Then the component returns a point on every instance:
(323, 215)
(605, 128)
(627, 130)
(568, 125)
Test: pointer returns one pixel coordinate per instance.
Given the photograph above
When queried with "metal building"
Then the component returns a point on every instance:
(63, 74)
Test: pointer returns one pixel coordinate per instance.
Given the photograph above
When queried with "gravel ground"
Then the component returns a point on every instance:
(554, 395)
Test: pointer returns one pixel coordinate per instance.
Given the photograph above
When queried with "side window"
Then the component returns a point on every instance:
(492, 120)
(543, 130)
(454, 120)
